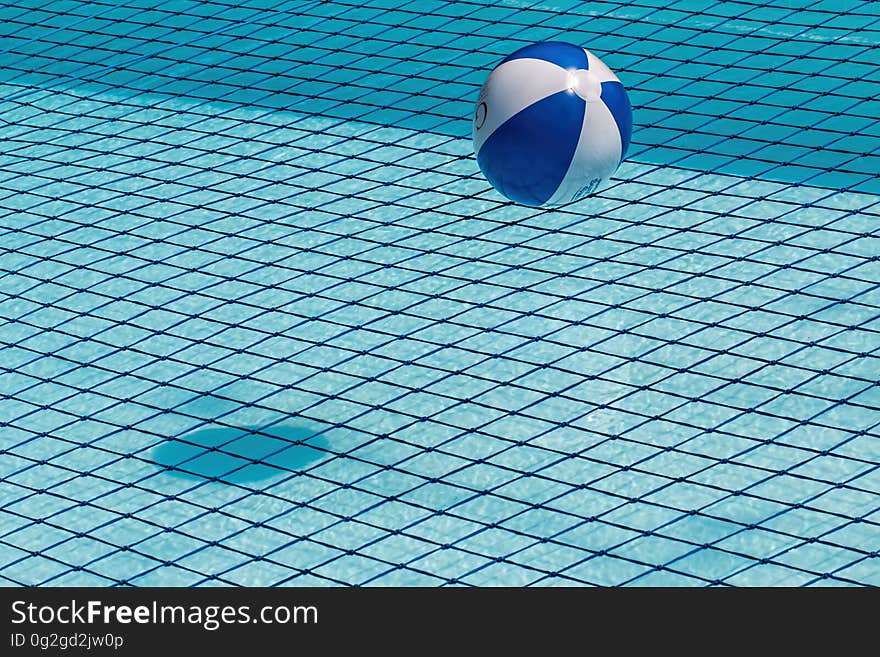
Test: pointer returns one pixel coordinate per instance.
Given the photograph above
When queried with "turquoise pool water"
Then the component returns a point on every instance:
(263, 322)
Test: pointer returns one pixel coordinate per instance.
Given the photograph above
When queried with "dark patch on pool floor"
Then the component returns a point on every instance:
(241, 455)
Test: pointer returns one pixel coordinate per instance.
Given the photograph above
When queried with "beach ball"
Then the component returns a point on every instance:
(551, 124)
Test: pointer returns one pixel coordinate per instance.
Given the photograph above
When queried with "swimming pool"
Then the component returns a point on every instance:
(263, 322)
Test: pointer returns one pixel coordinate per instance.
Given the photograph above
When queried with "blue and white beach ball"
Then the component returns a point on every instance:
(552, 123)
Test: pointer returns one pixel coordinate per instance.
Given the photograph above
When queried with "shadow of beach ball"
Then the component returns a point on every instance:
(241, 455)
